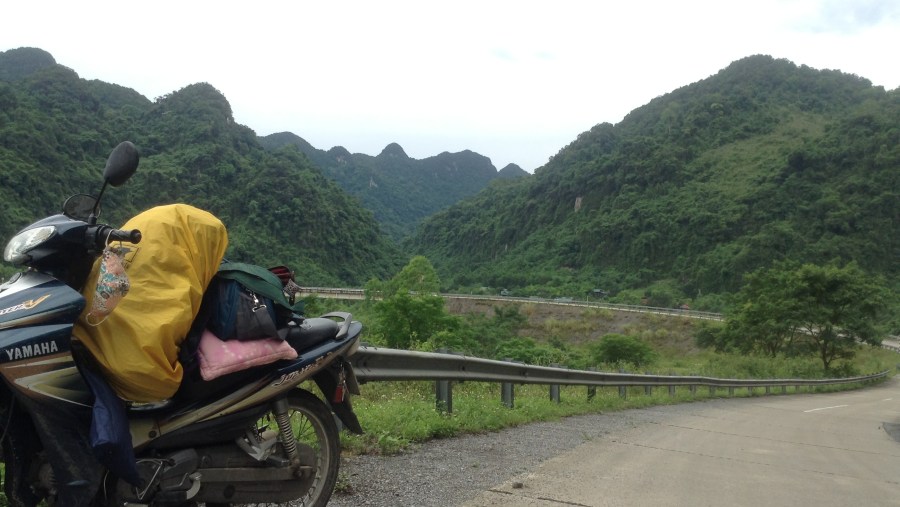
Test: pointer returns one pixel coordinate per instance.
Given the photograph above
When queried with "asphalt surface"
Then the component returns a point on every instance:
(798, 449)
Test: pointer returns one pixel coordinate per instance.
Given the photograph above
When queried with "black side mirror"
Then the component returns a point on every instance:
(80, 206)
(121, 164)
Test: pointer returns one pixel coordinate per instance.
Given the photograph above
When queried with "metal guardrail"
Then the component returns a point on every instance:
(377, 364)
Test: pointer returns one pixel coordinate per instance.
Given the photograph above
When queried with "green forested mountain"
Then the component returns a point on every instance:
(765, 160)
(400, 191)
(57, 129)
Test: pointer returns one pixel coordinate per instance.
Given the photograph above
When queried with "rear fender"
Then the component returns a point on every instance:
(333, 381)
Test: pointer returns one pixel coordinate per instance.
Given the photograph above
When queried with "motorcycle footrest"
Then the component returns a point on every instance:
(278, 461)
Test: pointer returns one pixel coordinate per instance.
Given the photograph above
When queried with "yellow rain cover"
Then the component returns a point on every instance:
(137, 344)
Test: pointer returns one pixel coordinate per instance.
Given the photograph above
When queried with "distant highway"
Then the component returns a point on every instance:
(333, 293)
(342, 293)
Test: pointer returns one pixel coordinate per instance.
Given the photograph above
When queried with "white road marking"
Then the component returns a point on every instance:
(825, 408)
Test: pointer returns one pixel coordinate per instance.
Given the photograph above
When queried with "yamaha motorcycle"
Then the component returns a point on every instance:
(255, 436)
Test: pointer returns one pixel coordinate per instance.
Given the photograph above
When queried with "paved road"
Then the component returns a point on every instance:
(822, 450)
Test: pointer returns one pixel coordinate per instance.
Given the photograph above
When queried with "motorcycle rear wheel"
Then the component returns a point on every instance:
(318, 441)
(316, 434)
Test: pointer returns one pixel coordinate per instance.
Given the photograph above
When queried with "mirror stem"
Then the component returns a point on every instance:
(92, 220)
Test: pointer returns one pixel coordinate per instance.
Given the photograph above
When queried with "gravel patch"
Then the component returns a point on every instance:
(452, 471)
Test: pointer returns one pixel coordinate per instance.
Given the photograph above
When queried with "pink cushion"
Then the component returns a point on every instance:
(219, 357)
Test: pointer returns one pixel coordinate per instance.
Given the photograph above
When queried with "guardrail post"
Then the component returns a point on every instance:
(444, 394)
(730, 391)
(592, 390)
(783, 389)
(623, 390)
(508, 394)
(672, 390)
(712, 390)
(554, 388)
(768, 390)
(648, 390)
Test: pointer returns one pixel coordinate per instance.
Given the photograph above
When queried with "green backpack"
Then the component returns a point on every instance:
(247, 302)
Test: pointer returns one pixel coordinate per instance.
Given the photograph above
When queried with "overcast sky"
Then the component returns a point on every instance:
(515, 81)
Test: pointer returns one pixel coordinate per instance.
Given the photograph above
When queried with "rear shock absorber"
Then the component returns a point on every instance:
(283, 419)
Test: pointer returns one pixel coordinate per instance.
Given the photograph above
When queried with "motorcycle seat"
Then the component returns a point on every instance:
(311, 332)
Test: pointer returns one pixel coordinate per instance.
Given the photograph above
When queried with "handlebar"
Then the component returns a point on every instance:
(103, 235)
(132, 236)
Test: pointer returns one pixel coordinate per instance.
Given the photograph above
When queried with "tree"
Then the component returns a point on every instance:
(765, 318)
(406, 320)
(418, 276)
(837, 309)
(407, 307)
(823, 310)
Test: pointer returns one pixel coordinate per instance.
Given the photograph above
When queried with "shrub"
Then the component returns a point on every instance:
(618, 349)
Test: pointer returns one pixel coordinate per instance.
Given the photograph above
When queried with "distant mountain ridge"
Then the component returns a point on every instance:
(20, 63)
(57, 129)
(765, 160)
(277, 204)
(400, 191)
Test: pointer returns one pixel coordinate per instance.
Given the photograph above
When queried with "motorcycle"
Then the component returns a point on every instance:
(253, 436)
